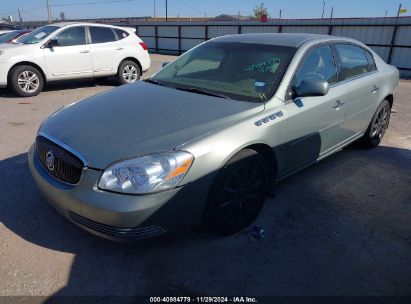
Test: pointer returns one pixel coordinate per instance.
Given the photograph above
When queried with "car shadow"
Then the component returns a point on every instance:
(340, 227)
(67, 85)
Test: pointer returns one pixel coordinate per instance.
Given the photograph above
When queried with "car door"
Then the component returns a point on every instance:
(359, 79)
(71, 57)
(313, 126)
(105, 50)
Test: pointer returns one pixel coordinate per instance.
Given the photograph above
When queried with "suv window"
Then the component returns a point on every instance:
(101, 34)
(121, 34)
(353, 60)
(72, 36)
(371, 63)
(319, 64)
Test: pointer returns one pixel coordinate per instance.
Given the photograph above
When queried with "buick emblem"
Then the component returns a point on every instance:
(50, 160)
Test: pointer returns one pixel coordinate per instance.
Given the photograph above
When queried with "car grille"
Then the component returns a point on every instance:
(120, 233)
(58, 162)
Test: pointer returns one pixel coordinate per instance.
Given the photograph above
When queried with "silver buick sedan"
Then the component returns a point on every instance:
(205, 139)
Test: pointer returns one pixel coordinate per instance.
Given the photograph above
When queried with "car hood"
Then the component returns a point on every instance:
(141, 118)
(13, 49)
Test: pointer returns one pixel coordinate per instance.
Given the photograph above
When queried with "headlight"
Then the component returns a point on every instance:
(146, 174)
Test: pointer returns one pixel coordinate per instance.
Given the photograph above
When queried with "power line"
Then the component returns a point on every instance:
(189, 6)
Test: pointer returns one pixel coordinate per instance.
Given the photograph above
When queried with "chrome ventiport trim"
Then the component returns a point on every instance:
(64, 146)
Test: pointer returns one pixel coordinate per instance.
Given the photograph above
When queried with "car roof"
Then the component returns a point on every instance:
(284, 39)
(62, 24)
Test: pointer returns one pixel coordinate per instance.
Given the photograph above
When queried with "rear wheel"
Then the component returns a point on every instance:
(26, 80)
(378, 125)
(237, 194)
(128, 72)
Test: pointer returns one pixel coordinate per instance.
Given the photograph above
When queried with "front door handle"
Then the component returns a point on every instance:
(338, 104)
(374, 89)
(84, 51)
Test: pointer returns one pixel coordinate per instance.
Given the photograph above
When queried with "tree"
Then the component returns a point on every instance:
(260, 10)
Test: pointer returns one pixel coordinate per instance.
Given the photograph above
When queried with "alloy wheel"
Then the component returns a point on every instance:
(28, 81)
(130, 73)
(380, 124)
(242, 195)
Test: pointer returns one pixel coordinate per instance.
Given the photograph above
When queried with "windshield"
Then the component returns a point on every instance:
(38, 34)
(8, 36)
(242, 71)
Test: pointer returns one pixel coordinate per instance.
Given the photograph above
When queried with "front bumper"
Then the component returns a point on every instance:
(119, 217)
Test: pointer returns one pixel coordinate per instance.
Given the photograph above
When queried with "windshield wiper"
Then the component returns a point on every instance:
(202, 91)
(153, 81)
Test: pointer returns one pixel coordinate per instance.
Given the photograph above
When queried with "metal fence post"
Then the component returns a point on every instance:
(156, 37)
(394, 36)
(179, 40)
(206, 32)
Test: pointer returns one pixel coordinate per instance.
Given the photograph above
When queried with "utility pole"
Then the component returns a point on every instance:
(322, 15)
(398, 13)
(280, 13)
(332, 12)
(155, 17)
(48, 11)
(166, 10)
(21, 19)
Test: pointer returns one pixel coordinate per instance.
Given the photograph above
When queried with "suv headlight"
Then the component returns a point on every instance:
(147, 174)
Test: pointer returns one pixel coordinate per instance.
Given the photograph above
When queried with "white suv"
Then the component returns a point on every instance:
(71, 50)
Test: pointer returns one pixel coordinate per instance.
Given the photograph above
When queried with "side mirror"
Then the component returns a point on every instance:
(53, 42)
(164, 64)
(312, 88)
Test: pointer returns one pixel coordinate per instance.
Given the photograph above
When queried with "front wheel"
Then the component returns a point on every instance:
(26, 80)
(378, 125)
(237, 194)
(128, 72)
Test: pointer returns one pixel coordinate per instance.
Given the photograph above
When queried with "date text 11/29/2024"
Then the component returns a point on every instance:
(205, 299)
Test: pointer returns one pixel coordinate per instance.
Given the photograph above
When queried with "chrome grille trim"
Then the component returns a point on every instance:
(68, 167)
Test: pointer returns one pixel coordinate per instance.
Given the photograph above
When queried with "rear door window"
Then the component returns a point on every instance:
(353, 61)
(371, 63)
(101, 34)
(121, 34)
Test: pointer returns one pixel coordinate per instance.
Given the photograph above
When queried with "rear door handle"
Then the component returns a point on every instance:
(374, 89)
(338, 104)
(119, 49)
(84, 51)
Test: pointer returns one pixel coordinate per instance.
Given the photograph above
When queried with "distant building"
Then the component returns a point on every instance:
(225, 17)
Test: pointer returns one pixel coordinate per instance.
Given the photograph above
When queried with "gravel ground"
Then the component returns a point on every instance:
(340, 227)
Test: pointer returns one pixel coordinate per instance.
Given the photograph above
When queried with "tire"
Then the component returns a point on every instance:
(128, 72)
(26, 80)
(237, 193)
(378, 125)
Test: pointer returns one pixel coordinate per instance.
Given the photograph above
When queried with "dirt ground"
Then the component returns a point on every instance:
(340, 227)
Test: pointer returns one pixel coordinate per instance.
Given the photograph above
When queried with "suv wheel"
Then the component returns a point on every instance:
(26, 80)
(378, 126)
(128, 72)
(237, 194)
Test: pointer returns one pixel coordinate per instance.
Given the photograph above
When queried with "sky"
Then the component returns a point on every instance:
(35, 9)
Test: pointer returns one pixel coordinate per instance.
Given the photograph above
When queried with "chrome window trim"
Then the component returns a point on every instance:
(332, 44)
